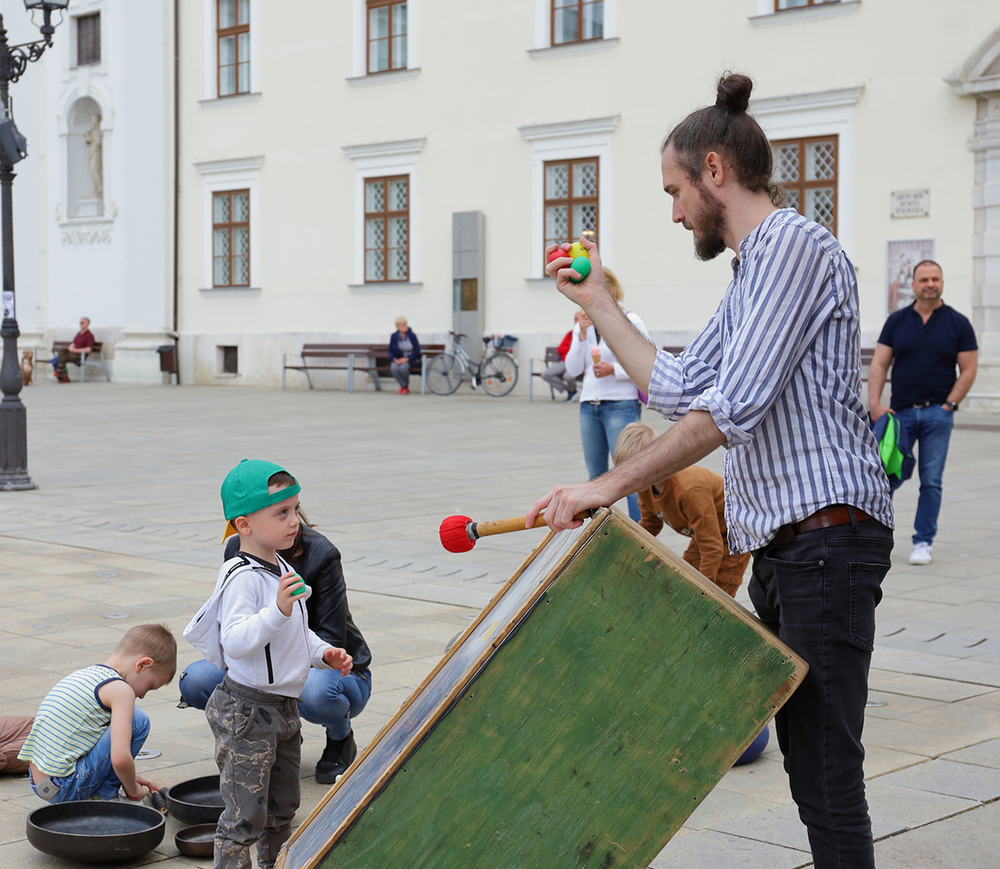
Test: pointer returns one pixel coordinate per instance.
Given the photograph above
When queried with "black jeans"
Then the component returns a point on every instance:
(818, 593)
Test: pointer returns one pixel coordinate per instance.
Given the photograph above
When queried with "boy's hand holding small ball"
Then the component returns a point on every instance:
(289, 587)
(338, 659)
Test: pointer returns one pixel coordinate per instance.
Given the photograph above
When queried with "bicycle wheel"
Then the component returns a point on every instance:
(499, 374)
(444, 374)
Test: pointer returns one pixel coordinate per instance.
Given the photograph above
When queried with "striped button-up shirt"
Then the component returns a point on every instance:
(778, 367)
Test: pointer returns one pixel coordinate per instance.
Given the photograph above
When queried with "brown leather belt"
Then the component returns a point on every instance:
(828, 517)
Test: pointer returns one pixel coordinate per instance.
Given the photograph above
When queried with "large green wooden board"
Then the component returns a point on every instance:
(577, 723)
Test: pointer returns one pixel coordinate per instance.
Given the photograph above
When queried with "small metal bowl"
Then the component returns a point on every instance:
(95, 831)
(196, 841)
(195, 801)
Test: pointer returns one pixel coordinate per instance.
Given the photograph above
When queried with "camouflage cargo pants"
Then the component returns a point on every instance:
(258, 743)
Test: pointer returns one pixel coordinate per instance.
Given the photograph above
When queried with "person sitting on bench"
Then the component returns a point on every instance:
(82, 344)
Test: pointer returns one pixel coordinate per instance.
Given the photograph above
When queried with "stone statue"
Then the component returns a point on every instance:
(94, 156)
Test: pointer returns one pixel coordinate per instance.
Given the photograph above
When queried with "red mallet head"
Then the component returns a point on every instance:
(454, 533)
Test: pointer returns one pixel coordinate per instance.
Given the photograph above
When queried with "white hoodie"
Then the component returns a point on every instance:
(241, 628)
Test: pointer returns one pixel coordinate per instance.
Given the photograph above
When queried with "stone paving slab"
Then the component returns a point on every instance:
(127, 519)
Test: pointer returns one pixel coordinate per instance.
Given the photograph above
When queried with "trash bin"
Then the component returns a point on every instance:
(168, 358)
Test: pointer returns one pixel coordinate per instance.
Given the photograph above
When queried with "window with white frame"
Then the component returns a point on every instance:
(387, 229)
(781, 5)
(386, 39)
(231, 238)
(810, 135)
(570, 184)
(572, 200)
(233, 54)
(577, 20)
(386, 211)
(88, 39)
(230, 224)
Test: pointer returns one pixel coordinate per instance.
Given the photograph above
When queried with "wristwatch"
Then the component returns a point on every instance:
(953, 405)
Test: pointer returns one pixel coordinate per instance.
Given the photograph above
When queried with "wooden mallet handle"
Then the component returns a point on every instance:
(504, 526)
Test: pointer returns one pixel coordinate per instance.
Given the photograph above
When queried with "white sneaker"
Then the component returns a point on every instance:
(921, 554)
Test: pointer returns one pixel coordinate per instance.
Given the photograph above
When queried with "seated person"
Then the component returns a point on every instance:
(692, 503)
(88, 729)
(555, 375)
(82, 344)
(329, 698)
(404, 351)
(14, 730)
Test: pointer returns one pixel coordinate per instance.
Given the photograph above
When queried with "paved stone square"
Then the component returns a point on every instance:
(125, 528)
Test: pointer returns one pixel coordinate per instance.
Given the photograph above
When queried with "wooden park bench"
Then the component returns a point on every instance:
(371, 359)
(95, 357)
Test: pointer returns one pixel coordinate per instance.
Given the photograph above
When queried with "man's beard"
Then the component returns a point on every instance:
(709, 226)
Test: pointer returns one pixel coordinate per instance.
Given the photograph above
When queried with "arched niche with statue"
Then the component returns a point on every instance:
(85, 154)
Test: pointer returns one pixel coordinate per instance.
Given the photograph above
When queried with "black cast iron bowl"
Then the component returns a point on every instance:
(196, 841)
(195, 801)
(95, 831)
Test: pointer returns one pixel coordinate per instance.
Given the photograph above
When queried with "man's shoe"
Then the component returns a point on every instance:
(570, 396)
(921, 554)
(338, 755)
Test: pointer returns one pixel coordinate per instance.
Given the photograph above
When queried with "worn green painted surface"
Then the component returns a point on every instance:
(591, 734)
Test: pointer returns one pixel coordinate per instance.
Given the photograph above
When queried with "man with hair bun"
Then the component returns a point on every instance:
(775, 379)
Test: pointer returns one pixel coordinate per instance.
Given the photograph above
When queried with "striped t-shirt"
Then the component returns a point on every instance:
(69, 722)
(779, 369)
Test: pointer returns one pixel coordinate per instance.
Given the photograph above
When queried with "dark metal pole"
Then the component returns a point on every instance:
(13, 416)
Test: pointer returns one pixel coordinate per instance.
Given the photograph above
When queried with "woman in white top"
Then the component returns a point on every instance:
(609, 401)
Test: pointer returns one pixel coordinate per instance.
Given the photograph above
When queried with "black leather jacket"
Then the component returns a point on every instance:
(329, 613)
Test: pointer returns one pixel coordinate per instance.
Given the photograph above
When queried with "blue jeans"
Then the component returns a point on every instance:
(328, 698)
(600, 425)
(94, 775)
(818, 593)
(931, 426)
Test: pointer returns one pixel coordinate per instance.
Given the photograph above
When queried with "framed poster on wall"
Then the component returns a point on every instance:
(901, 257)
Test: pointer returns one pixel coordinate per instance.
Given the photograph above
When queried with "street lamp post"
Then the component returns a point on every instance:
(14, 59)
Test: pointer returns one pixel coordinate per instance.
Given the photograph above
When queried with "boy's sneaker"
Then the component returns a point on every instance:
(338, 755)
(570, 396)
(921, 554)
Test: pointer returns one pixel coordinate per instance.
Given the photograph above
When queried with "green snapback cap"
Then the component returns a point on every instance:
(244, 491)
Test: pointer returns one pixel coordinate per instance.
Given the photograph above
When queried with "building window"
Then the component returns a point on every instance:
(234, 47)
(387, 229)
(577, 20)
(386, 35)
(231, 238)
(571, 200)
(806, 169)
(88, 39)
(781, 5)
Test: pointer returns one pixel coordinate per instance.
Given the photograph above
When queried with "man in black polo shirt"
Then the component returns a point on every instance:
(924, 342)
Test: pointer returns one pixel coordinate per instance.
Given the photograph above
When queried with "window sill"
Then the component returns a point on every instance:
(387, 287)
(545, 283)
(805, 13)
(383, 77)
(231, 290)
(70, 222)
(571, 48)
(215, 102)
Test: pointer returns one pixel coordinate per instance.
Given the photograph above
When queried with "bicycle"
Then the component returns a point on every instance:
(496, 371)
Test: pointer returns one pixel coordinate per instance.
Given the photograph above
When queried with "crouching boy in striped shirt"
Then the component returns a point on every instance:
(256, 626)
(89, 729)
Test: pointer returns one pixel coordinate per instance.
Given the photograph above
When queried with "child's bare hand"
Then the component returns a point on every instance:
(290, 586)
(338, 659)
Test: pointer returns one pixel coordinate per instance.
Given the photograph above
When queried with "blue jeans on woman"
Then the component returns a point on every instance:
(94, 775)
(600, 424)
(818, 593)
(328, 698)
(931, 426)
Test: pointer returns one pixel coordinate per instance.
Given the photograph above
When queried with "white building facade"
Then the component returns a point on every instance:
(92, 200)
(325, 149)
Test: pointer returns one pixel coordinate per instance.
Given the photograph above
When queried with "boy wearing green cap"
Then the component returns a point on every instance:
(255, 625)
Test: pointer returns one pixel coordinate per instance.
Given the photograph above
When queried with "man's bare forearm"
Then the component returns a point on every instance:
(632, 349)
